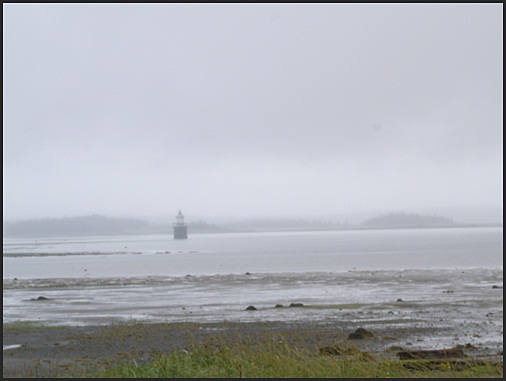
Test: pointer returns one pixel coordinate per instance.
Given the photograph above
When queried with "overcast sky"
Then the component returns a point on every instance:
(248, 110)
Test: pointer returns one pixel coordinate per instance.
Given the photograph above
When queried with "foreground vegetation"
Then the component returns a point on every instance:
(260, 350)
(276, 359)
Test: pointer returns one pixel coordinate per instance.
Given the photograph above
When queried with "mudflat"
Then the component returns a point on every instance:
(45, 351)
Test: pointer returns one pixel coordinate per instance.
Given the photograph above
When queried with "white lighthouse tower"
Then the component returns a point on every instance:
(180, 228)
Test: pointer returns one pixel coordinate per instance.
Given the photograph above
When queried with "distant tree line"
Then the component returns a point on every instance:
(98, 225)
(78, 226)
(402, 219)
(95, 225)
(266, 224)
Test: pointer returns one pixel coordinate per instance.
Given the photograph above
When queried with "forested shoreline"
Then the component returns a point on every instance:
(99, 225)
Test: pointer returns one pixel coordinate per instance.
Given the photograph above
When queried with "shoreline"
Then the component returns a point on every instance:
(227, 230)
(49, 351)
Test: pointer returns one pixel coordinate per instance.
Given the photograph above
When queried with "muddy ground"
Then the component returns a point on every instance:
(41, 351)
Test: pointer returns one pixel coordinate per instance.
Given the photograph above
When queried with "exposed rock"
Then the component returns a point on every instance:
(251, 308)
(41, 298)
(399, 300)
(361, 334)
(296, 305)
(496, 286)
(278, 306)
(247, 273)
(431, 354)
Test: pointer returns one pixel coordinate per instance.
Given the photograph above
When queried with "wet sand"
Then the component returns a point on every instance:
(61, 351)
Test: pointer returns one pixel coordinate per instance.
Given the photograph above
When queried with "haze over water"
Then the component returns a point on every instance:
(237, 253)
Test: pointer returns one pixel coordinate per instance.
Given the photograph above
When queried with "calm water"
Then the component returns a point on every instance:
(445, 278)
(210, 254)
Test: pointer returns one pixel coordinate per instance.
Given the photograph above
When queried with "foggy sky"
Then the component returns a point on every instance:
(251, 109)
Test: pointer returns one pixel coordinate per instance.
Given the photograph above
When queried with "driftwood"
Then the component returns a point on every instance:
(331, 350)
(447, 364)
(452, 353)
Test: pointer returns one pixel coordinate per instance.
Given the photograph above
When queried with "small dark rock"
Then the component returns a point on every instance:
(251, 308)
(41, 298)
(296, 305)
(496, 286)
(361, 334)
(400, 300)
(247, 273)
(278, 306)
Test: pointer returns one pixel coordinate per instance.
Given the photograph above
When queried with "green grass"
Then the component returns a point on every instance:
(262, 353)
(276, 359)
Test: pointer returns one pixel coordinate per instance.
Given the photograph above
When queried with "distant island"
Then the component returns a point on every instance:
(95, 225)
(408, 220)
(76, 226)
(98, 225)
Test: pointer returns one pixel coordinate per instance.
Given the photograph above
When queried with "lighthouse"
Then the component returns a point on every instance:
(180, 228)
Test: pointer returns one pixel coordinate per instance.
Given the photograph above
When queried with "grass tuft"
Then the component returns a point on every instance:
(276, 358)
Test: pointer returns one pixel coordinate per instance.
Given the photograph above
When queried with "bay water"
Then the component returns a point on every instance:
(446, 277)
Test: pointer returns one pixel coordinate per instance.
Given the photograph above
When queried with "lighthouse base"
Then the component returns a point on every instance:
(180, 232)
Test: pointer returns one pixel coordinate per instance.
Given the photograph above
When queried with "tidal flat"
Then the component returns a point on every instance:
(79, 314)
(71, 327)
